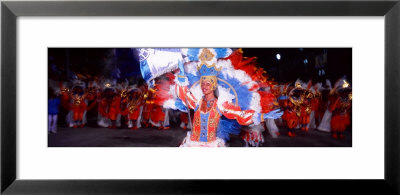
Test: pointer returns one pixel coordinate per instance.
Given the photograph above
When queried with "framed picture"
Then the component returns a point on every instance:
(11, 93)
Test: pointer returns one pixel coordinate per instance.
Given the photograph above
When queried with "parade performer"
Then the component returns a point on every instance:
(212, 74)
(305, 110)
(160, 114)
(270, 123)
(107, 95)
(284, 103)
(294, 109)
(61, 89)
(224, 96)
(92, 91)
(322, 103)
(133, 109)
(53, 109)
(78, 103)
(148, 106)
(290, 116)
(340, 108)
(315, 102)
(122, 91)
(114, 108)
(326, 92)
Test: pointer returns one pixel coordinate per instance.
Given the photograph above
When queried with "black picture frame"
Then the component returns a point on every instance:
(10, 10)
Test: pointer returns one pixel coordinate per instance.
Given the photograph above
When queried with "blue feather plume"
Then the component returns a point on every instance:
(226, 127)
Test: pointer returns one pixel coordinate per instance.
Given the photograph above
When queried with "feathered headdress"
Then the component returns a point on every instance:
(109, 84)
(342, 86)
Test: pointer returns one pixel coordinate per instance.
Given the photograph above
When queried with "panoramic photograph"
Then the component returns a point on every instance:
(199, 97)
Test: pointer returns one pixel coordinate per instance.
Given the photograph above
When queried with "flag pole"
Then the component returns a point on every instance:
(188, 108)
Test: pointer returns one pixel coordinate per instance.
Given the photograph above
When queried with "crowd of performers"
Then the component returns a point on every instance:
(116, 105)
(297, 106)
(319, 106)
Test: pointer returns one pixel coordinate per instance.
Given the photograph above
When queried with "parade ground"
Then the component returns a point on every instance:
(152, 137)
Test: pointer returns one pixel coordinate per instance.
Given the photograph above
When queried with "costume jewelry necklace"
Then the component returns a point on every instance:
(209, 101)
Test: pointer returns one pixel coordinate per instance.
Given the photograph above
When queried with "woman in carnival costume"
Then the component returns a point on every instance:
(223, 97)
(220, 85)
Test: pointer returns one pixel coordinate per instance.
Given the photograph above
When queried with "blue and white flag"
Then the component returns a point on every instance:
(155, 62)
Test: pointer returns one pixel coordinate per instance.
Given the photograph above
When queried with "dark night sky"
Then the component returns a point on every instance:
(102, 61)
(291, 65)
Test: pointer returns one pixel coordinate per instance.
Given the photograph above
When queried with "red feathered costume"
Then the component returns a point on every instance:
(134, 102)
(315, 102)
(267, 98)
(291, 118)
(162, 88)
(147, 108)
(114, 110)
(78, 106)
(103, 107)
(305, 108)
(340, 116)
(304, 118)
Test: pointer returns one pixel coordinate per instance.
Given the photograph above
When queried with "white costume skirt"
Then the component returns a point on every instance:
(325, 124)
(189, 143)
(312, 124)
(272, 128)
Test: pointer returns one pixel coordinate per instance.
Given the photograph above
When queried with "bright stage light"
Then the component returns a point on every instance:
(278, 56)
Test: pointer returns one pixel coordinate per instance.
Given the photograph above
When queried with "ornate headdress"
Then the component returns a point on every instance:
(109, 84)
(207, 67)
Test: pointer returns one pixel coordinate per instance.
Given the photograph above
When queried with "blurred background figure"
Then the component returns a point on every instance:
(53, 106)
(78, 104)
(325, 124)
(340, 108)
(133, 109)
(184, 120)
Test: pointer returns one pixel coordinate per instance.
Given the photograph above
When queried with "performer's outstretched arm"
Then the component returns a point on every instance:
(246, 117)
(185, 95)
(243, 117)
